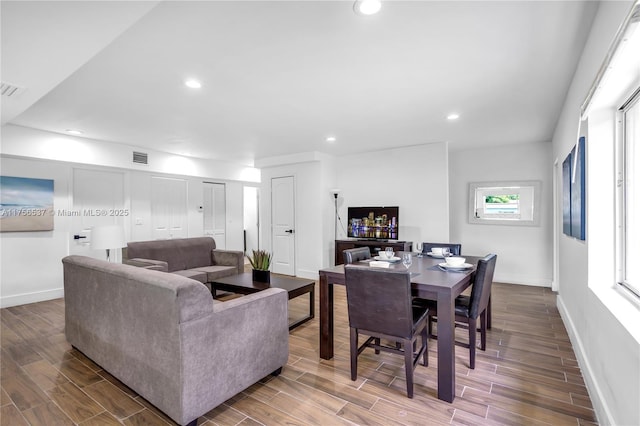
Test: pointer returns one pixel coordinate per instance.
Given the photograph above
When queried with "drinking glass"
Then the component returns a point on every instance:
(389, 251)
(406, 260)
(419, 249)
(445, 252)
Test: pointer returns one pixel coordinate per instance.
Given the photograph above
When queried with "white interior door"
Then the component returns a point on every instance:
(215, 213)
(168, 208)
(98, 199)
(283, 225)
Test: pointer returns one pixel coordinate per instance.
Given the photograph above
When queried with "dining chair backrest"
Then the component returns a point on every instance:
(379, 300)
(453, 248)
(481, 288)
(356, 254)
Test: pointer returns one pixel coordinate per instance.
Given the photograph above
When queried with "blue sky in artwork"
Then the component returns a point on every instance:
(17, 191)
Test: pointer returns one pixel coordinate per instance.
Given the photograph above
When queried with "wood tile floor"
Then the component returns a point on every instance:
(527, 376)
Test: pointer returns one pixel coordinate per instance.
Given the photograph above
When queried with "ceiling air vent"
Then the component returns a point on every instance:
(10, 90)
(140, 157)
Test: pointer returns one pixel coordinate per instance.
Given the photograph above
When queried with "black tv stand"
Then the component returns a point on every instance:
(374, 246)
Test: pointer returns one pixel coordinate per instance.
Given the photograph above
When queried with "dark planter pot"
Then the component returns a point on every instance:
(261, 276)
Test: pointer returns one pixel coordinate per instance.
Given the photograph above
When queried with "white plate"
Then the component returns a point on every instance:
(384, 259)
(437, 256)
(458, 267)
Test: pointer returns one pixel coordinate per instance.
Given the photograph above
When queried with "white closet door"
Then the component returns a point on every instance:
(168, 208)
(98, 199)
(215, 213)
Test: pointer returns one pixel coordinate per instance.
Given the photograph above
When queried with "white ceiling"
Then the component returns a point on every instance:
(279, 77)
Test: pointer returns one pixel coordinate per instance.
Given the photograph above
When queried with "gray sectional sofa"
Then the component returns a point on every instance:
(196, 258)
(166, 338)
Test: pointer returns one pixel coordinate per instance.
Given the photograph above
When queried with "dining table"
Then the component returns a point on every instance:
(430, 281)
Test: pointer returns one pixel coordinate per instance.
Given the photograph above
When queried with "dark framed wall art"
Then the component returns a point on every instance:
(573, 192)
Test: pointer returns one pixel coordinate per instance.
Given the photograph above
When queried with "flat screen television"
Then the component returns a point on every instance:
(373, 223)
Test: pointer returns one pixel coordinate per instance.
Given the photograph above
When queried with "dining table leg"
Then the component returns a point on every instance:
(446, 347)
(326, 318)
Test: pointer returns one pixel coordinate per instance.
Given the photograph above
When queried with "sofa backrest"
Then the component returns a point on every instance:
(178, 299)
(179, 253)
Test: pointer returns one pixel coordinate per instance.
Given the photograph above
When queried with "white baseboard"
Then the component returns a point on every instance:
(600, 407)
(514, 279)
(23, 299)
(310, 275)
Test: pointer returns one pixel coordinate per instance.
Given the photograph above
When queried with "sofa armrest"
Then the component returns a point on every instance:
(239, 343)
(156, 265)
(228, 258)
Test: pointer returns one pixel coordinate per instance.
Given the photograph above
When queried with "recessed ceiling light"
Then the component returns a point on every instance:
(74, 132)
(453, 116)
(367, 7)
(193, 83)
(331, 139)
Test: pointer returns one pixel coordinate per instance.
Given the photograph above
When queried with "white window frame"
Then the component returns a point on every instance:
(528, 203)
(626, 176)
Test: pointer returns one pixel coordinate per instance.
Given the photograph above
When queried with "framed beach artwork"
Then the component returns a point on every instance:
(26, 204)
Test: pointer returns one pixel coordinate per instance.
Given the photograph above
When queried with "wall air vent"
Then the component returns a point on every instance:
(10, 90)
(140, 157)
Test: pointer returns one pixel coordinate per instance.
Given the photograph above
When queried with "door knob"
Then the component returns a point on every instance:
(77, 237)
(289, 231)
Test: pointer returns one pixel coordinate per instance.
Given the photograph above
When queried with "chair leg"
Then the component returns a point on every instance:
(425, 343)
(407, 346)
(430, 325)
(377, 342)
(472, 343)
(483, 330)
(353, 349)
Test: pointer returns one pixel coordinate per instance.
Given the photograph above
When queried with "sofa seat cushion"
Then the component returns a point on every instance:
(217, 271)
(193, 274)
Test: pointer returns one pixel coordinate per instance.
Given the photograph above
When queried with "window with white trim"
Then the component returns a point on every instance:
(628, 195)
(504, 203)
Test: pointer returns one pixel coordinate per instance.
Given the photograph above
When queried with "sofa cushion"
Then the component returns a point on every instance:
(157, 250)
(193, 274)
(217, 271)
(196, 252)
(156, 265)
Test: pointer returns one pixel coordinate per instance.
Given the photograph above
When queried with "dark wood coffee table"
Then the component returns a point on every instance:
(244, 284)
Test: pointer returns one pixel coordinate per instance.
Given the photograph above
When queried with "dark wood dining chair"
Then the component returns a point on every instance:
(379, 306)
(356, 254)
(469, 308)
(455, 249)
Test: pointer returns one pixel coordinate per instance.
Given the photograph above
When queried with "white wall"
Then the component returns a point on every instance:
(30, 264)
(605, 340)
(250, 214)
(310, 198)
(524, 252)
(30, 267)
(413, 178)
(30, 143)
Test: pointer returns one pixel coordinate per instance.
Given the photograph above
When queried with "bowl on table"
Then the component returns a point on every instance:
(455, 261)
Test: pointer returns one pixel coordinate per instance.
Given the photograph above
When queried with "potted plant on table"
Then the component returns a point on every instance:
(260, 262)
